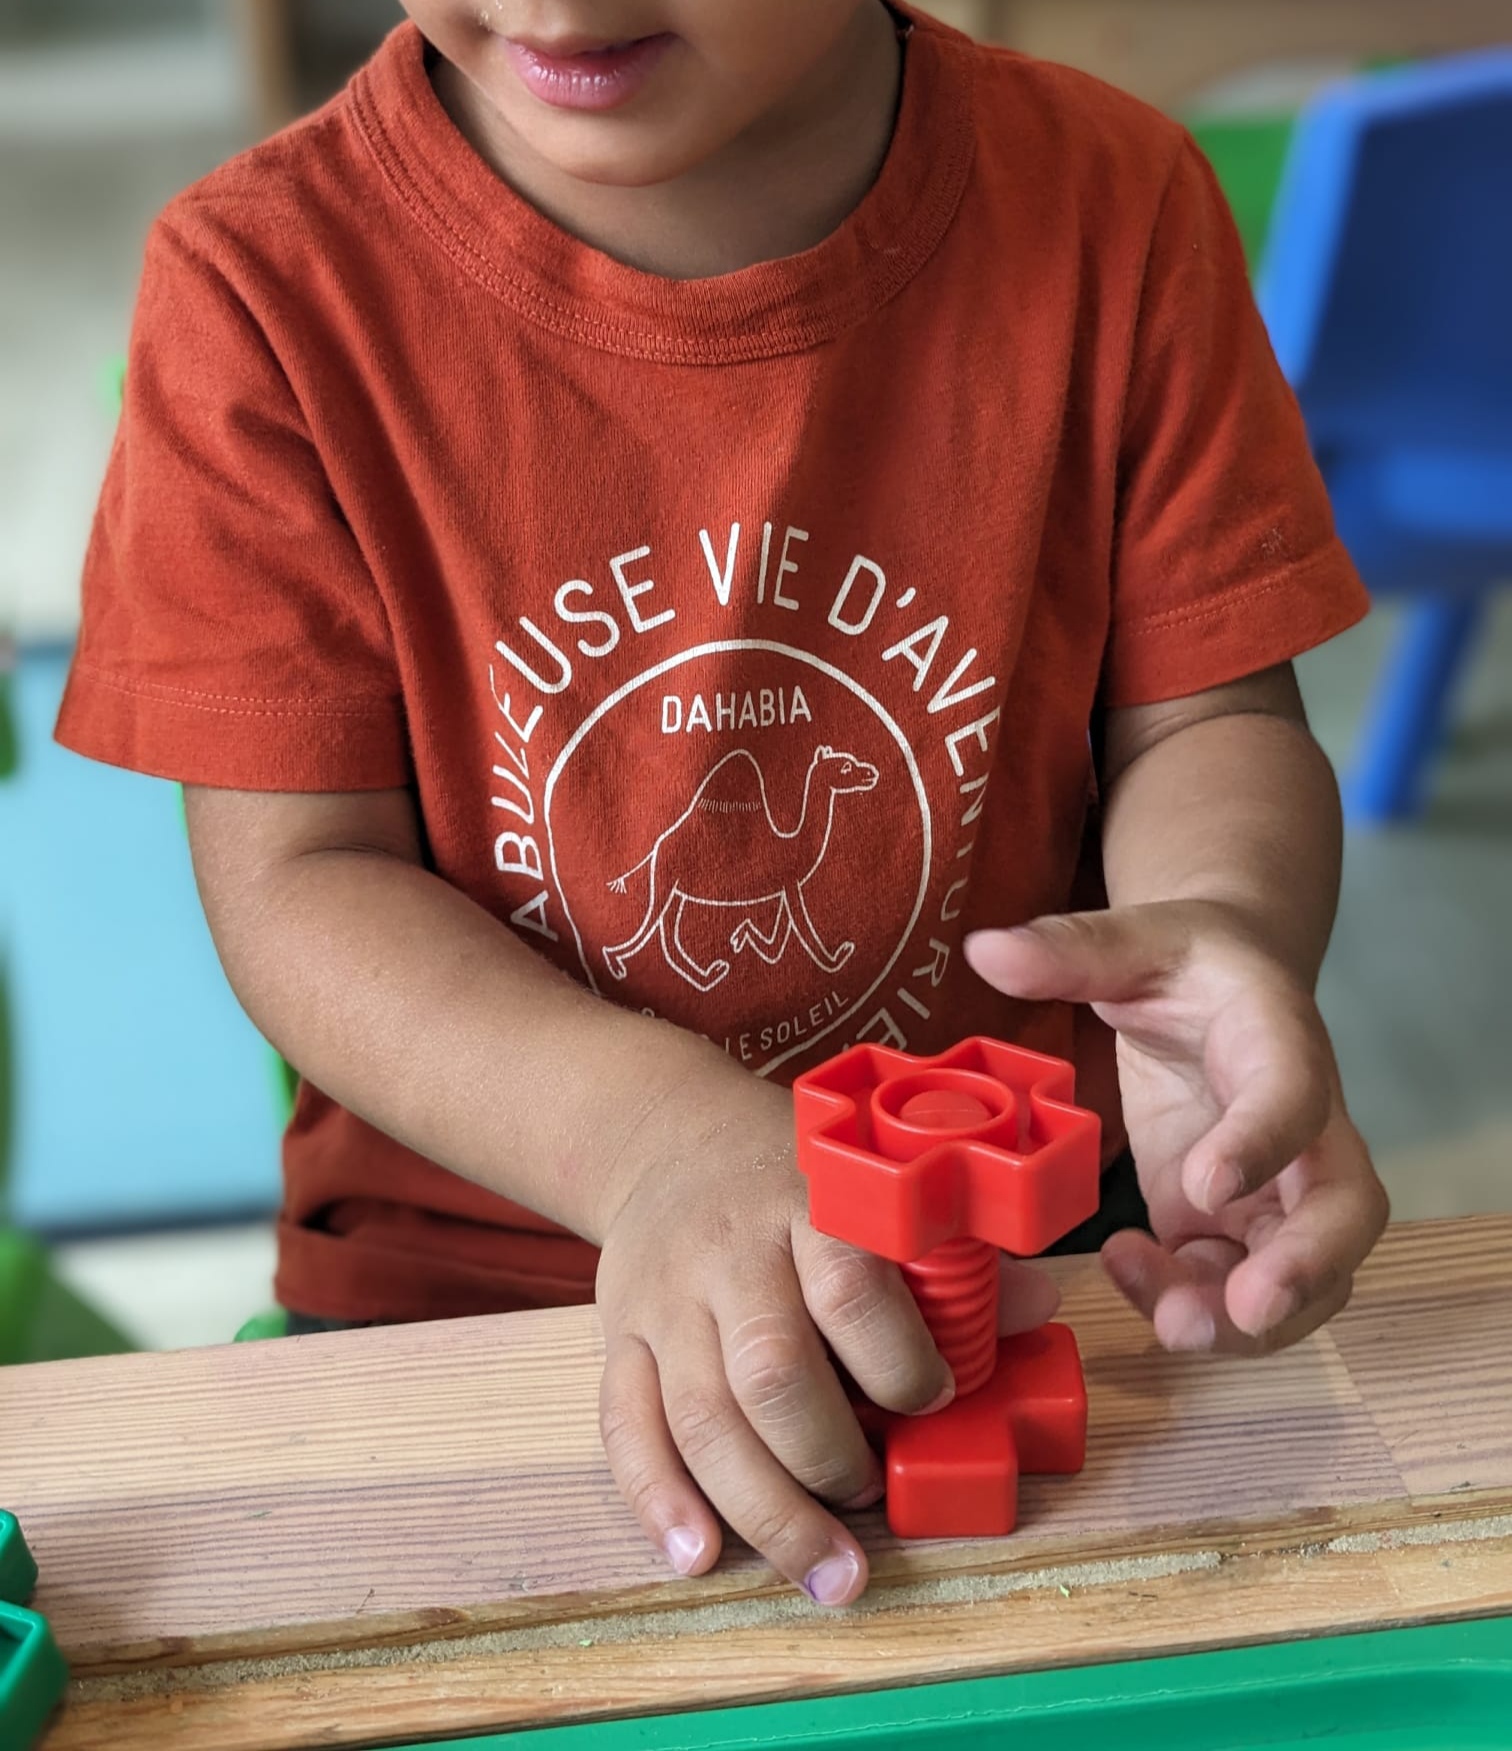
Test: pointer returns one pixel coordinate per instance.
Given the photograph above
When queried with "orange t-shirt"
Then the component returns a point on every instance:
(738, 637)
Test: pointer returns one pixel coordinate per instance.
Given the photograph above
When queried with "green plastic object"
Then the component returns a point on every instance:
(113, 383)
(18, 1568)
(1438, 1689)
(41, 1319)
(285, 1085)
(10, 738)
(1248, 154)
(272, 1324)
(32, 1671)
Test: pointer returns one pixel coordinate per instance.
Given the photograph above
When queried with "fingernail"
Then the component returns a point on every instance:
(683, 1547)
(868, 1498)
(833, 1581)
(1222, 1186)
(938, 1403)
(1280, 1306)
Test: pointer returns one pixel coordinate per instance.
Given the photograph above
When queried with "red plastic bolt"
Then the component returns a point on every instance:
(940, 1164)
(956, 1285)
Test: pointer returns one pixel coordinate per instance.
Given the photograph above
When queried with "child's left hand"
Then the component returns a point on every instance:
(1261, 1192)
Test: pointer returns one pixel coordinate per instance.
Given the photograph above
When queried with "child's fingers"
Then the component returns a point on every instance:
(864, 1309)
(1300, 1274)
(1276, 1061)
(746, 1484)
(1082, 957)
(645, 1461)
(792, 1398)
(1026, 1297)
(1181, 1292)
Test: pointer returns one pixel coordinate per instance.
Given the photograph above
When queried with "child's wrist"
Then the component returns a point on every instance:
(698, 1107)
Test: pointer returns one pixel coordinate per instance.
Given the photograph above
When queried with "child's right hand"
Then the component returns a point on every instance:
(717, 1300)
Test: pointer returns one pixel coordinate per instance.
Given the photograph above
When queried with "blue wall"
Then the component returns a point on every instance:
(143, 1093)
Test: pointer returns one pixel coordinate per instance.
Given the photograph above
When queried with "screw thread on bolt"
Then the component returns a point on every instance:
(956, 1287)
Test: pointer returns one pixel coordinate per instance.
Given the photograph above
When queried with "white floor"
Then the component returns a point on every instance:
(172, 1291)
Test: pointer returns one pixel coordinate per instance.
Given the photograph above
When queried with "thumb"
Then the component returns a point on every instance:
(1081, 957)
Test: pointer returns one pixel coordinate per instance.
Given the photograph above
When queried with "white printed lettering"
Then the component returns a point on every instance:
(524, 733)
(587, 617)
(978, 729)
(785, 566)
(629, 591)
(931, 636)
(526, 814)
(532, 916)
(934, 970)
(944, 698)
(879, 589)
(721, 580)
(889, 1034)
(527, 858)
(766, 554)
(563, 681)
(974, 808)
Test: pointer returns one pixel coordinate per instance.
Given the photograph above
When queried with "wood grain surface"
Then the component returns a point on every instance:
(338, 1540)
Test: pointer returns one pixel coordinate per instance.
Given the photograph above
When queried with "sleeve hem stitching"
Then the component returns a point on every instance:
(1260, 587)
(223, 702)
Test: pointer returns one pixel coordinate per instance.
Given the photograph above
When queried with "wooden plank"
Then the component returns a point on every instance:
(1167, 50)
(254, 1545)
(696, 1659)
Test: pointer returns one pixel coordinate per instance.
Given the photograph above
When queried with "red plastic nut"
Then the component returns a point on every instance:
(903, 1154)
(955, 1474)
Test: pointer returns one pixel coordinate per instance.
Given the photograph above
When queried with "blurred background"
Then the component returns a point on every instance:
(1366, 146)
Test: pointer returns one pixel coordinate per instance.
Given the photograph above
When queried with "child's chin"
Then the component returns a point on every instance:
(624, 151)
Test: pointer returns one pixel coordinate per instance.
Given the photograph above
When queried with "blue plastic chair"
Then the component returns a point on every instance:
(1387, 287)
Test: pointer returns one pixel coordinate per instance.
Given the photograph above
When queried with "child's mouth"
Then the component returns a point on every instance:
(595, 77)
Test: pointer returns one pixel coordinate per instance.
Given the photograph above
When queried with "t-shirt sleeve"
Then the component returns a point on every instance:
(1225, 557)
(232, 633)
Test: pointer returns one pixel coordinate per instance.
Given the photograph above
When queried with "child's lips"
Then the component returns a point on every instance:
(577, 73)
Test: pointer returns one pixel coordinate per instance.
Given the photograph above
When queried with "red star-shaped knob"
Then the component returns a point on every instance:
(903, 1154)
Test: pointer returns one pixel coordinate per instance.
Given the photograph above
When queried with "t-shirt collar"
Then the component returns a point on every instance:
(563, 284)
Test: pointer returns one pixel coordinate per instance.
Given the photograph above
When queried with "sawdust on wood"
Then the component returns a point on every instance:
(1446, 1532)
(648, 1626)
(643, 1627)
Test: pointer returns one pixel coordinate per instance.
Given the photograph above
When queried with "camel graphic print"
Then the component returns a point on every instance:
(748, 863)
(726, 851)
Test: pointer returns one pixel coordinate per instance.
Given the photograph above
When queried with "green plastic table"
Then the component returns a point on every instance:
(1438, 1689)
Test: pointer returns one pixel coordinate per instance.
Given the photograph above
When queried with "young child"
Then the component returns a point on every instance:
(666, 538)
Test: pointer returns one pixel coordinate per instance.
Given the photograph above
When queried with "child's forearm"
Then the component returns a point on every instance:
(1232, 802)
(415, 1009)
